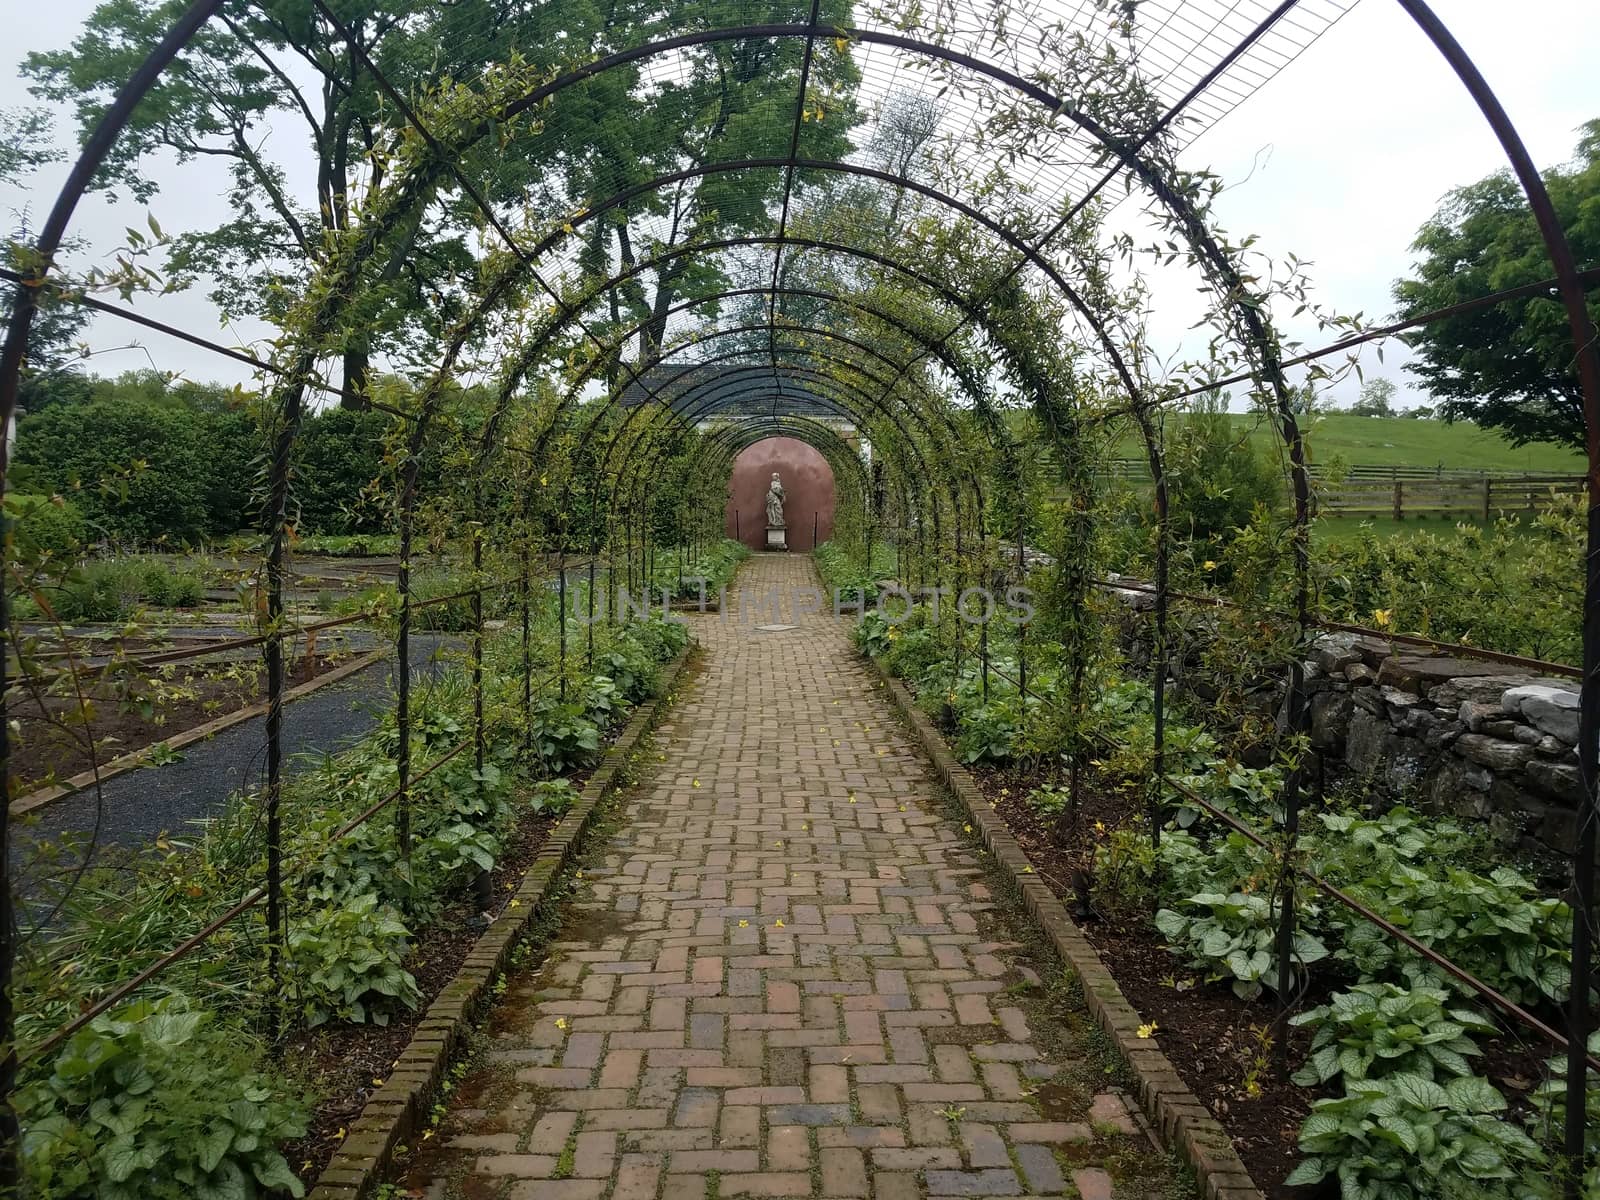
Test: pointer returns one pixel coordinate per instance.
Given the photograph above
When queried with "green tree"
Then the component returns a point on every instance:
(281, 66)
(1376, 399)
(729, 100)
(136, 469)
(25, 143)
(1217, 478)
(1508, 367)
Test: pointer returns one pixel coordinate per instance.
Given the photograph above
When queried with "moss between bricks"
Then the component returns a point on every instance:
(1186, 1125)
(399, 1109)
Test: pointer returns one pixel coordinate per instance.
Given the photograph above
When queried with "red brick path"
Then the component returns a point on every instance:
(783, 979)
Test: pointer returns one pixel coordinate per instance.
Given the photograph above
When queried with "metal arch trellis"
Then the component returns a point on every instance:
(1568, 280)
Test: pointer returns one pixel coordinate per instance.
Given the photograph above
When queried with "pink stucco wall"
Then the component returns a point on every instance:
(807, 486)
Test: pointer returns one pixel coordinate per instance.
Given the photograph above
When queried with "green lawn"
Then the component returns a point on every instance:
(1397, 441)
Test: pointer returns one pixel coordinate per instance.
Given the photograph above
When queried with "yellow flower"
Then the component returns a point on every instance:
(1382, 616)
(966, 829)
(1027, 870)
(778, 924)
(1148, 1030)
(1209, 565)
(744, 924)
(1099, 826)
(695, 783)
(561, 1022)
(515, 903)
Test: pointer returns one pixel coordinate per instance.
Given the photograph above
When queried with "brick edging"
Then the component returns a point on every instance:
(1186, 1125)
(398, 1109)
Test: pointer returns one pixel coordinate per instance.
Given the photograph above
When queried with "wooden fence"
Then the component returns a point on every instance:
(1482, 497)
(1401, 491)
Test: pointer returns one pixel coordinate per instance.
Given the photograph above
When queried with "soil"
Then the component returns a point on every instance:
(1225, 1048)
(52, 745)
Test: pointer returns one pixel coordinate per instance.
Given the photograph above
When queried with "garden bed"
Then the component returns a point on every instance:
(52, 745)
(344, 1064)
(1223, 1046)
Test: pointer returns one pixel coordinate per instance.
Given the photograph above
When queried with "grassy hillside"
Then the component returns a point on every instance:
(1386, 441)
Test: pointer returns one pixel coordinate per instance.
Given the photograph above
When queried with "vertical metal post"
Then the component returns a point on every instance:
(477, 646)
(815, 521)
(561, 610)
(277, 529)
(594, 553)
(482, 884)
(527, 651)
(402, 708)
(1022, 629)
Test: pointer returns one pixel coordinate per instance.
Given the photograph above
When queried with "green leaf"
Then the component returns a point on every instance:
(1311, 1170)
(1400, 1129)
(1418, 1092)
(1473, 1094)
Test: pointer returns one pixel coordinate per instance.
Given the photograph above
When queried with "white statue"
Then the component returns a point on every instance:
(775, 503)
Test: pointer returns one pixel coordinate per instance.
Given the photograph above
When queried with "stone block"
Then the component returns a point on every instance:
(1558, 779)
(1493, 753)
(1336, 651)
(1360, 675)
(1473, 713)
(1330, 720)
(1421, 674)
(1553, 710)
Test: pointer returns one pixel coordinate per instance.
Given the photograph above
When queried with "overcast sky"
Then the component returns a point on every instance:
(1339, 159)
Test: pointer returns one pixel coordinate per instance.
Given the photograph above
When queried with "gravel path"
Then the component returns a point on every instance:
(134, 808)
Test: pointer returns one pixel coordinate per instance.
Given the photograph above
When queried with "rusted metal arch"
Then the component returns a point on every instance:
(708, 408)
(660, 356)
(867, 399)
(870, 402)
(854, 169)
(1589, 361)
(529, 354)
(686, 423)
(855, 416)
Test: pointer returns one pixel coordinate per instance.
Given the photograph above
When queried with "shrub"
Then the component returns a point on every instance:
(45, 525)
(1217, 480)
(1233, 937)
(1378, 1029)
(346, 960)
(563, 735)
(1405, 1137)
(156, 1102)
(552, 797)
(143, 470)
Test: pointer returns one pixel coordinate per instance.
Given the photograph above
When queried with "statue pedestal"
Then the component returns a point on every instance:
(777, 537)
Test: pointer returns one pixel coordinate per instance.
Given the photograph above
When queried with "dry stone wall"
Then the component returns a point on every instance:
(1482, 740)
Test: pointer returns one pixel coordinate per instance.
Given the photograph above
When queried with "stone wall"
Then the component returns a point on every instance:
(1481, 740)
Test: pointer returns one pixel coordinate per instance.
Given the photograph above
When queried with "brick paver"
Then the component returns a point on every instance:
(785, 977)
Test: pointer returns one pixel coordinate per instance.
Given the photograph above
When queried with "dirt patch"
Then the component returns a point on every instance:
(53, 742)
(1231, 1052)
(1221, 1045)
